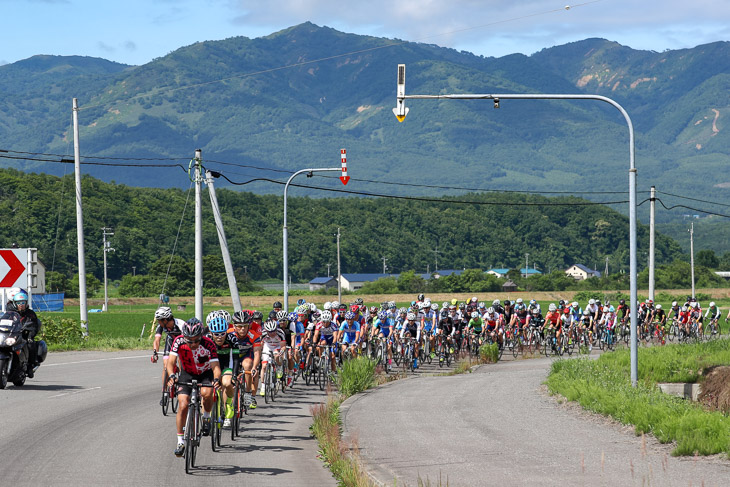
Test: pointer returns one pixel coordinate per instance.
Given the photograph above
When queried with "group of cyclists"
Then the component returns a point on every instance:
(237, 349)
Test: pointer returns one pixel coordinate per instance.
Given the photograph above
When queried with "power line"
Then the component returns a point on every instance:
(693, 199)
(690, 208)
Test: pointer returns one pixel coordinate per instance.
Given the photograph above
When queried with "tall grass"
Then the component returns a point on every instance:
(602, 387)
(355, 376)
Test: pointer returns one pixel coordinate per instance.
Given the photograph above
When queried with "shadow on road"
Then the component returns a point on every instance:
(221, 470)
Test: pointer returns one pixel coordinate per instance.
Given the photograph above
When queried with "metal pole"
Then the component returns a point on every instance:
(652, 203)
(286, 250)
(106, 248)
(198, 238)
(401, 111)
(692, 255)
(80, 224)
(339, 270)
(223, 243)
(527, 267)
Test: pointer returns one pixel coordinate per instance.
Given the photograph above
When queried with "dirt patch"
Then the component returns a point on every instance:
(715, 389)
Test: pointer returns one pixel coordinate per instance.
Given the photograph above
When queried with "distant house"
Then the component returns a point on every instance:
(509, 286)
(353, 282)
(322, 283)
(724, 274)
(580, 272)
(446, 272)
(529, 272)
(500, 273)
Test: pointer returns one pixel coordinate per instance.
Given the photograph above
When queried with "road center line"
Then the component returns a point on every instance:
(96, 360)
(76, 392)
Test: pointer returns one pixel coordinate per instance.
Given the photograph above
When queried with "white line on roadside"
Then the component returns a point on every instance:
(96, 360)
(76, 392)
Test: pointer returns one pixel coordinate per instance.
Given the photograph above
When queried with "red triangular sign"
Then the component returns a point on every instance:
(16, 268)
(344, 179)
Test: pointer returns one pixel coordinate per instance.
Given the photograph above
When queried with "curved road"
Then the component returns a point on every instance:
(92, 418)
(498, 426)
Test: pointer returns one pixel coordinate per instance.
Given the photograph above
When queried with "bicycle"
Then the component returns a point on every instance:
(673, 330)
(324, 368)
(713, 329)
(193, 424)
(216, 419)
(269, 378)
(240, 407)
(169, 395)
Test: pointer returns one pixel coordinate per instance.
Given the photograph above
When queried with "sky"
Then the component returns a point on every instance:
(138, 31)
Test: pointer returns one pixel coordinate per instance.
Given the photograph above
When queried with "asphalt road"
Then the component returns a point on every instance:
(498, 426)
(92, 418)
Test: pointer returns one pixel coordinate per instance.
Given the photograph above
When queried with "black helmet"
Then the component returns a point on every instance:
(257, 315)
(421, 297)
(277, 304)
(241, 317)
(561, 303)
(622, 301)
(358, 301)
(272, 314)
(11, 306)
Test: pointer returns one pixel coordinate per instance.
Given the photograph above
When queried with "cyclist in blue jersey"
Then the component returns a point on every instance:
(349, 332)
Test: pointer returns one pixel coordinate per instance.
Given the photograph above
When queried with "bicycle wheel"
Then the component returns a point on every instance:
(214, 417)
(189, 441)
(165, 402)
(267, 383)
(236, 419)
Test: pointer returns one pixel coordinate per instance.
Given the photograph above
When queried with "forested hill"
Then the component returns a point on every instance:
(469, 231)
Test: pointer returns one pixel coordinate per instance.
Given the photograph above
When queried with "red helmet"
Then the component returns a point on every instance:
(354, 308)
(566, 311)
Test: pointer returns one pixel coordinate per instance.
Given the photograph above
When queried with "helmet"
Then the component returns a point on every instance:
(574, 304)
(192, 328)
(303, 309)
(712, 304)
(327, 306)
(591, 301)
(373, 310)
(452, 307)
(482, 304)
(495, 302)
(326, 316)
(696, 304)
(566, 310)
(312, 307)
(684, 308)
(519, 300)
(658, 306)
(163, 313)
(402, 311)
(301, 301)
(650, 301)
(474, 314)
(454, 301)
(586, 312)
(411, 316)
(282, 316)
(342, 307)
(382, 315)
(277, 304)
(422, 305)
(674, 303)
(506, 302)
(349, 315)
(358, 301)
(391, 304)
(612, 309)
(561, 303)
(474, 299)
(270, 325)
(462, 305)
(535, 311)
(622, 302)
(533, 302)
(335, 304)
(293, 316)
(272, 314)
(490, 310)
(218, 313)
(605, 309)
(413, 303)
(445, 304)
(552, 307)
(355, 308)
(435, 307)
(257, 315)
(421, 297)
(218, 325)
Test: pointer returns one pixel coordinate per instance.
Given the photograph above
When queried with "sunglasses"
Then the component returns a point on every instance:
(219, 335)
(21, 303)
(193, 340)
(240, 326)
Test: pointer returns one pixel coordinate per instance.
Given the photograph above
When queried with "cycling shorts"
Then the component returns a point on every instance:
(385, 332)
(246, 354)
(168, 345)
(327, 339)
(206, 378)
(268, 351)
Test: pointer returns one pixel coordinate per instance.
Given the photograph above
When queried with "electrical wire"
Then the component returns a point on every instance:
(693, 199)
(336, 56)
(690, 208)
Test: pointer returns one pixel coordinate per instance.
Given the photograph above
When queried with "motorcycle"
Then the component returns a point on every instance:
(14, 353)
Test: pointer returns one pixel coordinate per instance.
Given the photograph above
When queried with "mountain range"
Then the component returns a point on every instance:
(264, 107)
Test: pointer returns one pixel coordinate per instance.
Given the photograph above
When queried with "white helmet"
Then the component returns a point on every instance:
(495, 302)
(326, 316)
(591, 301)
(435, 307)
(162, 313)
(586, 312)
(574, 304)
(270, 325)
(712, 304)
(335, 304)
(658, 306)
(696, 304)
(605, 309)
(674, 303)
(490, 310)
(519, 301)
(474, 314)
(411, 316)
(427, 302)
(552, 307)
(445, 304)
(327, 306)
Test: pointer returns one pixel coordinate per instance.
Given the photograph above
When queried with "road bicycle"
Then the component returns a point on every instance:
(193, 424)
(324, 367)
(169, 394)
(240, 407)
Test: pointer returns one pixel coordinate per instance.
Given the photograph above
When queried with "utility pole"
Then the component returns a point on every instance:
(692, 255)
(198, 179)
(134, 270)
(385, 267)
(652, 203)
(80, 223)
(328, 270)
(436, 253)
(106, 232)
(605, 272)
(339, 270)
(232, 286)
(527, 267)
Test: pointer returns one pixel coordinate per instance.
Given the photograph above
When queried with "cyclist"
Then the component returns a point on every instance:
(249, 344)
(493, 325)
(696, 316)
(592, 308)
(198, 361)
(324, 336)
(384, 324)
(475, 327)
(349, 333)
(412, 329)
(299, 330)
(714, 313)
(660, 318)
(553, 321)
(173, 328)
(622, 311)
(273, 340)
(429, 320)
(228, 351)
(534, 305)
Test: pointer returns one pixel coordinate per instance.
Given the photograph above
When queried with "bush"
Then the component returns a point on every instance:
(64, 330)
(584, 296)
(356, 375)
(489, 353)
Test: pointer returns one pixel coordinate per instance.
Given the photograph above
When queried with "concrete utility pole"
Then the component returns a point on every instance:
(232, 286)
(527, 267)
(106, 232)
(339, 270)
(605, 272)
(652, 203)
(328, 269)
(80, 223)
(385, 267)
(436, 253)
(692, 255)
(198, 179)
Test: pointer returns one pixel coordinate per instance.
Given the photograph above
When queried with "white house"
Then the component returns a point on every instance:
(580, 272)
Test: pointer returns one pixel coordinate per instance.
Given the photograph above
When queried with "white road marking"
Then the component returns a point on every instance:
(96, 360)
(76, 392)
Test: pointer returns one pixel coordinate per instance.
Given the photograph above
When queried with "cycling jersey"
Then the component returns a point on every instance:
(171, 335)
(713, 313)
(194, 361)
(350, 332)
(271, 342)
(428, 320)
(384, 326)
(229, 352)
(476, 324)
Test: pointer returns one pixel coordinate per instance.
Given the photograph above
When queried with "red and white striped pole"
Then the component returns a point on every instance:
(343, 156)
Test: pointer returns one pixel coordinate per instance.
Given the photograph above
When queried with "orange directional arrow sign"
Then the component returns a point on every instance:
(344, 178)
(16, 268)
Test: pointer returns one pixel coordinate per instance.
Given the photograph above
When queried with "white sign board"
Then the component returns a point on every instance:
(13, 268)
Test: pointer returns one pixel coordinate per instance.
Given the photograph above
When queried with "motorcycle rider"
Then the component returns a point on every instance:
(31, 326)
